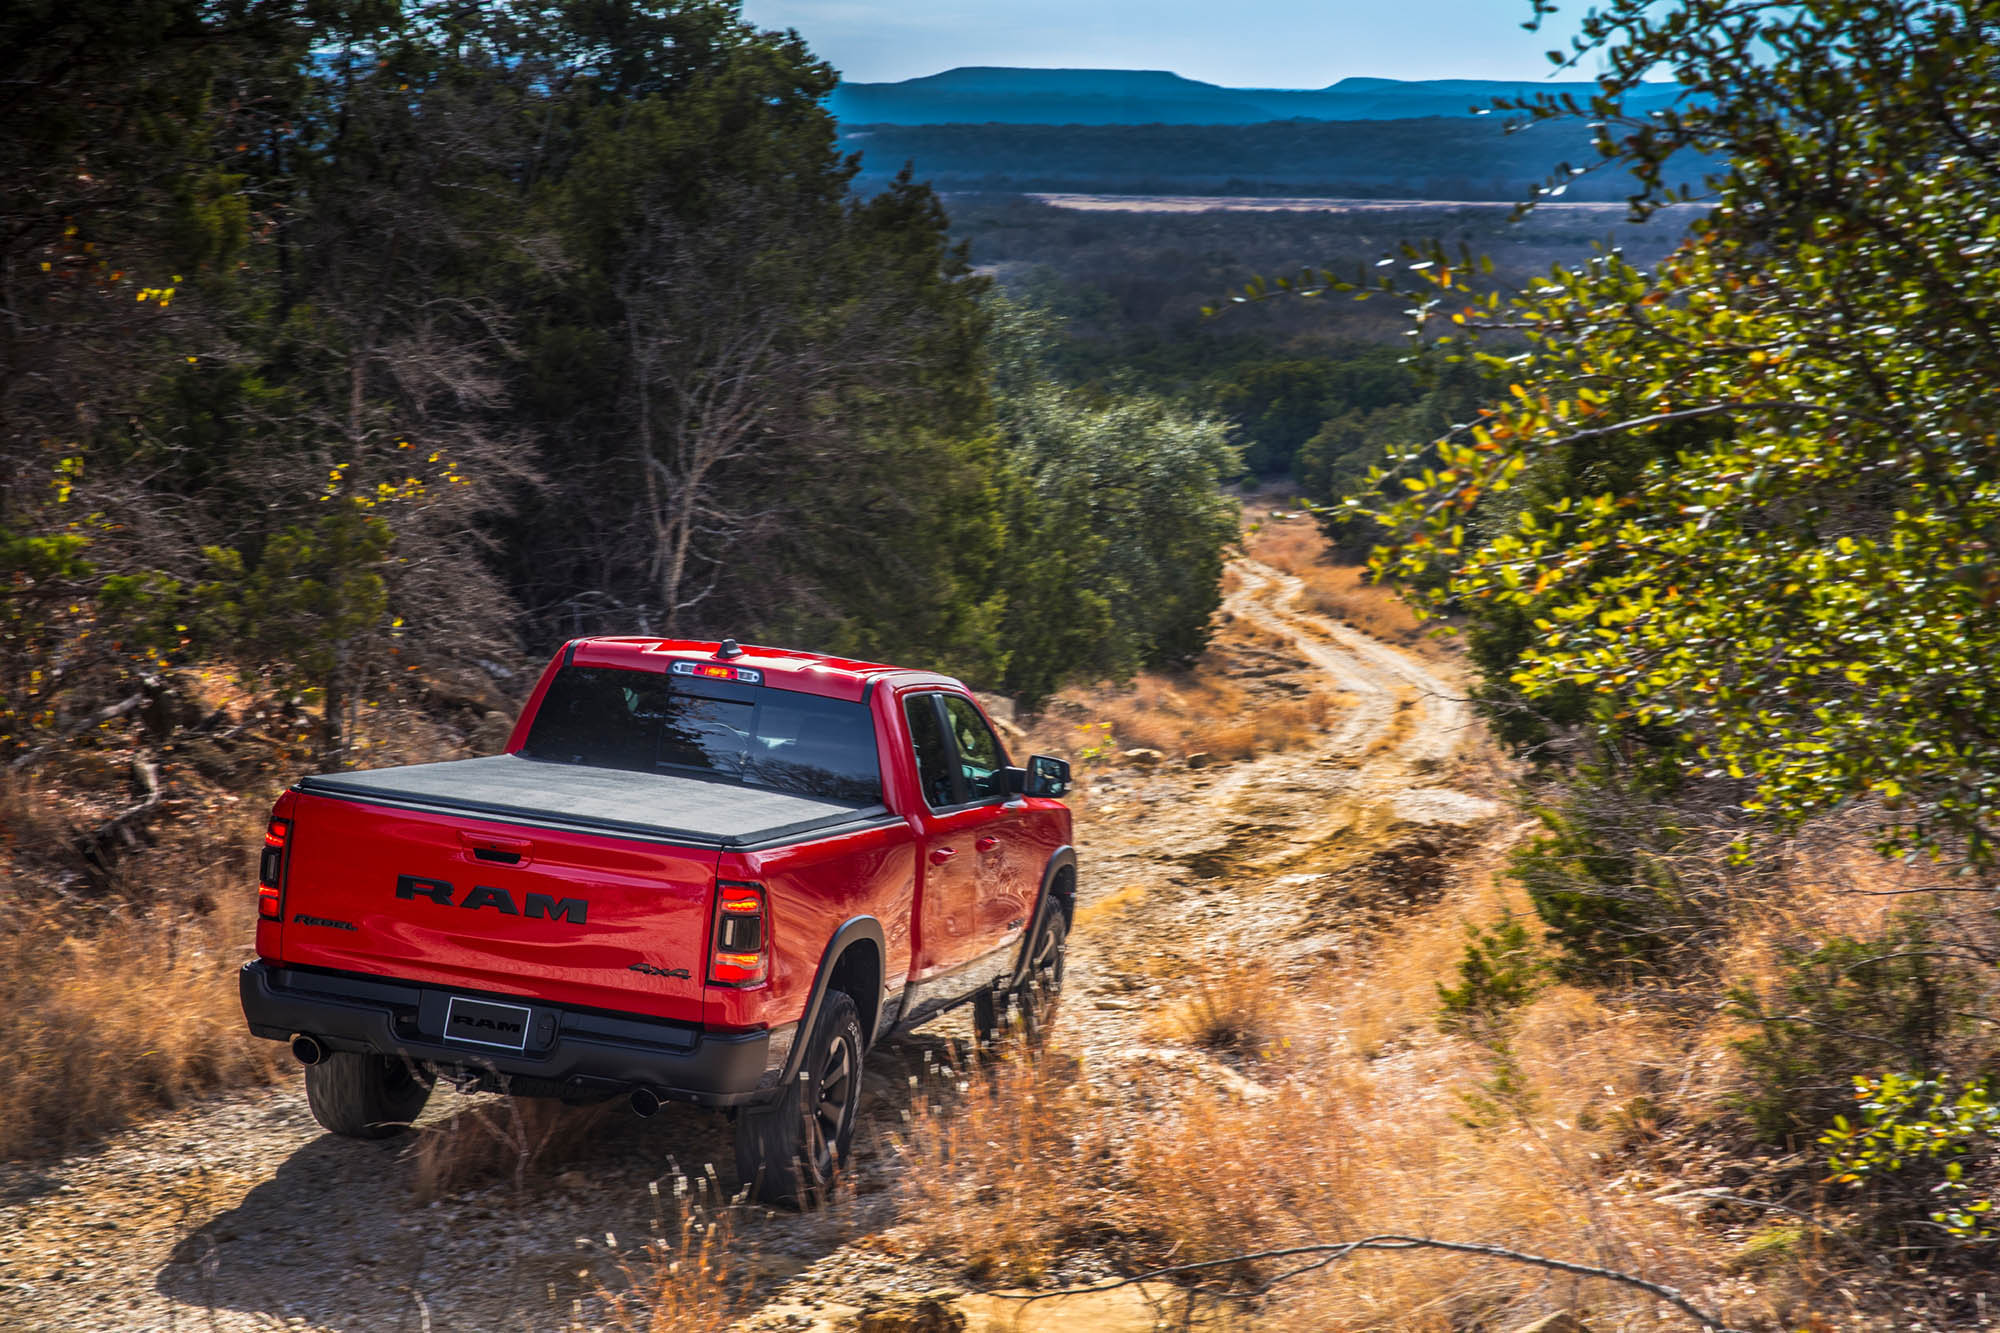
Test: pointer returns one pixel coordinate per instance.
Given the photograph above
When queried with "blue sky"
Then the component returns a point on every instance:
(1242, 43)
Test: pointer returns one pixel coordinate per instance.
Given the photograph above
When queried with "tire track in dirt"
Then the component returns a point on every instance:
(1372, 766)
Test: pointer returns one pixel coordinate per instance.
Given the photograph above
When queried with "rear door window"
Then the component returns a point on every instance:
(982, 764)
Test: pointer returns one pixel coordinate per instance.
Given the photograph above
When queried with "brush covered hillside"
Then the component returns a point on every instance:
(987, 94)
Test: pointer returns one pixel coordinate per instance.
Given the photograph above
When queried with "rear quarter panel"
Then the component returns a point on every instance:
(812, 888)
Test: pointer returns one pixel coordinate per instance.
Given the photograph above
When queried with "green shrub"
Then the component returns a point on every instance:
(1841, 1010)
(1501, 969)
(1626, 879)
(1917, 1144)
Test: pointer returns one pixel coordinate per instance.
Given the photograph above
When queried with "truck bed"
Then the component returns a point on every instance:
(671, 807)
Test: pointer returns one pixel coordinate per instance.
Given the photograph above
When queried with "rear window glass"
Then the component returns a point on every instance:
(754, 734)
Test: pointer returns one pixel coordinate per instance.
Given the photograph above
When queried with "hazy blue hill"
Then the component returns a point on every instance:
(982, 95)
(975, 95)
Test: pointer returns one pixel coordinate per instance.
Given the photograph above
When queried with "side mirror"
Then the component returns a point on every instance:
(1047, 776)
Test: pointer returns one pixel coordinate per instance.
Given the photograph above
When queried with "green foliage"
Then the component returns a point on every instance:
(1117, 525)
(1630, 875)
(391, 335)
(1920, 1138)
(1501, 969)
(1745, 497)
(1840, 1009)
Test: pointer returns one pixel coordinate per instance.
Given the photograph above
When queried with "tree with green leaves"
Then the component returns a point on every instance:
(1747, 500)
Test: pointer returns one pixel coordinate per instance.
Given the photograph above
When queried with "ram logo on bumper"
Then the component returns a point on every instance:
(541, 905)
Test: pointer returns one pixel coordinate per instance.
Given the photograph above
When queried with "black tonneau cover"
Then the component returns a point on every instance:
(674, 807)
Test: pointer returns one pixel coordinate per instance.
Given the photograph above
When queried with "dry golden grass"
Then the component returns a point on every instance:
(1575, 1129)
(1001, 1164)
(690, 1280)
(1181, 715)
(105, 1016)
(1362, 1117)
(1341, 592)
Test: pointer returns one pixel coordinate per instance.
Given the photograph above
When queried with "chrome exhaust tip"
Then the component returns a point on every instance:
(307, 1050)
(644, 1102)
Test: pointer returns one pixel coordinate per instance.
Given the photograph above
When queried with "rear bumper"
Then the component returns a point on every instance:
(566, 1051)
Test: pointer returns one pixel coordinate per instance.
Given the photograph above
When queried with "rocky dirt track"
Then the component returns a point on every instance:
(240, 1214)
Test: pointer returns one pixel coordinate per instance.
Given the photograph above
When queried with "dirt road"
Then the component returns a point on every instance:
(239, 1214)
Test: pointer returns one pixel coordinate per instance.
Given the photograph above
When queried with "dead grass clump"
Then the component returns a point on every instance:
(106, 1017)
(1231, 1008)
(520, 1140)
(690, 1279)
(1209, 714)
(1000, 1166)
(1228, 1174)
(1343, 593)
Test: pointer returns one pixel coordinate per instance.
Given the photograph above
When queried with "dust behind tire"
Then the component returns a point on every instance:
(365, 1096)
(788, 1152)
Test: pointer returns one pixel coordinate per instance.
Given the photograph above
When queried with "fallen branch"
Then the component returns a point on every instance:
(147, 775)
(97, 719)
(1333, 1253)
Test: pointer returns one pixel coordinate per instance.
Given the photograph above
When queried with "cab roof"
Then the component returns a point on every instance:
(783, 668)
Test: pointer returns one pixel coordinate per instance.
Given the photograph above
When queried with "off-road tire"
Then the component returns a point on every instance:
(366, 1096)
(789, 1151)
(1036, 997)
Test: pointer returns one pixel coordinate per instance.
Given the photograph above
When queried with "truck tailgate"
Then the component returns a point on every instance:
(434, 897)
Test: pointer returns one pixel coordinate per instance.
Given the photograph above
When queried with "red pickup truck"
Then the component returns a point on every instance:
(700, 872)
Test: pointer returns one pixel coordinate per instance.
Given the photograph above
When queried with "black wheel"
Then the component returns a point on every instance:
(366, 1096)
(1038, 992)
(989, 1017)
(787, 1152)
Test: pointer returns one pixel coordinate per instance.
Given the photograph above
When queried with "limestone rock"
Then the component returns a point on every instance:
(1142, 758)
(1200, 759)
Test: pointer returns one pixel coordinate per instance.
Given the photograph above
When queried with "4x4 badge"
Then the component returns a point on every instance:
(679, 973)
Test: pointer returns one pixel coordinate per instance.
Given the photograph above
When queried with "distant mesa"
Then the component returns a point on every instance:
(988, 94)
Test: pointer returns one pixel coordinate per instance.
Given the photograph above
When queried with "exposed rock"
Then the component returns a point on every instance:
(999, 707)
(913, 1314)
(1142, 758)
(1200, 759)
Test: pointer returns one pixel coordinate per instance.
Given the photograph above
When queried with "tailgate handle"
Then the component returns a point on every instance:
(497, 851)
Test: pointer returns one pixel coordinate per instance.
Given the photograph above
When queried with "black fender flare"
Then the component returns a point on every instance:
(851, 931)
(1061, 859)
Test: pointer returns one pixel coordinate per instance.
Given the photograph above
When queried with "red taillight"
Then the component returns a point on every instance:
(271, 871)
(741, 956)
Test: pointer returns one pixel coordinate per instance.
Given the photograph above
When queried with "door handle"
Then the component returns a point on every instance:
(500, 851)
(987, 844)
(939, 855)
